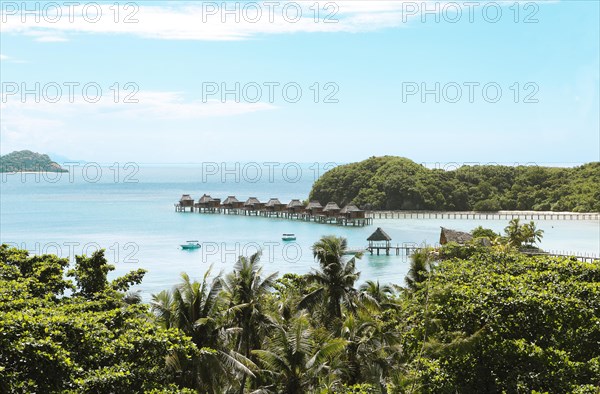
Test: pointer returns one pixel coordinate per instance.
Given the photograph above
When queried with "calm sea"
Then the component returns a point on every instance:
(129, 211)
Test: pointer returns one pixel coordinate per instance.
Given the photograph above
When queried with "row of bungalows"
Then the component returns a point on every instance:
(295, 209)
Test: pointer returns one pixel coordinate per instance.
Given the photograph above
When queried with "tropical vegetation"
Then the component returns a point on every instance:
(391, 182)
(469, 318)
(26, 160)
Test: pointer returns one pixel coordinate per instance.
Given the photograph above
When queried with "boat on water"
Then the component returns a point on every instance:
(190, 245)
(288, 237)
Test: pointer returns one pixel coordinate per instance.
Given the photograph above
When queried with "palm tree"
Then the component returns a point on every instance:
(335, 279)
(193, 308)
(514, 232)
(292, 357)
(420, 266)
(532, 234)
(246, 289)
(378, 296)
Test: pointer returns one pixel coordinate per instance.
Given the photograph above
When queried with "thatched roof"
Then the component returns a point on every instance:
(273, 202)
(252, 201)
(205, 199)
(331, 206)
(314, 205)
(186, 197)
(294, 204)
(230, 200)
(350, 208)
(379, 235)
(448, 235)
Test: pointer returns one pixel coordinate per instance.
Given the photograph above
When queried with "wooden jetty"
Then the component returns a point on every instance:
(349, 215)
(472, 215)
(585, 257)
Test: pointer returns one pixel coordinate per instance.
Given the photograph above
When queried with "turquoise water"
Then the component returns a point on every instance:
(138, 226)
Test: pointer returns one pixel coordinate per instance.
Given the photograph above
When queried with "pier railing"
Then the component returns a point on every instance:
(500, 215)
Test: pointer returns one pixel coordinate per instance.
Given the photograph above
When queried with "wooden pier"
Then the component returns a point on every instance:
(585, 257)
(349, 216)
(398, 250)
(471, 215)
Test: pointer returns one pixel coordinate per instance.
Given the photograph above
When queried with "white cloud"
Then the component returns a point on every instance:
(203, 20)
(196, 22)
(46, 124)
(10, 59)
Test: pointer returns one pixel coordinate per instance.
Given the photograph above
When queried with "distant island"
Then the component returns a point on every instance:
(28, 161)
(397, 183)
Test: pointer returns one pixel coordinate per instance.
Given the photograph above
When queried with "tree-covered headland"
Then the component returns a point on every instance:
(28, 161)
(398, 183)
(469, 318)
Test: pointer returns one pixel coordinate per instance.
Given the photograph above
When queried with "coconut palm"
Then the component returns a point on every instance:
(420, 266)
(514, 232)
(376, 295)
(293, 359)
(335, 279)
(246, 289)
(532, 234)
(193, 308)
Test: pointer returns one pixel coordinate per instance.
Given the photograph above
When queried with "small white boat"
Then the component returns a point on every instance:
(190, 245)
(288, 237)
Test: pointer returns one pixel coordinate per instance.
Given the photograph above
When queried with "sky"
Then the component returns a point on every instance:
(191, 81)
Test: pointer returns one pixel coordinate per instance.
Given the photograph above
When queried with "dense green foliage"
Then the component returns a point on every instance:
(27, 160)
(398, 183)
(471, 319)
(91, 341)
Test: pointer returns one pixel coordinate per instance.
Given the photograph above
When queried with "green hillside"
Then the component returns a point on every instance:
(27, 160)
(391, 182)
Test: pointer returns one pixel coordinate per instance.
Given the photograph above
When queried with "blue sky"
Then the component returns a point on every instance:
(372, 58)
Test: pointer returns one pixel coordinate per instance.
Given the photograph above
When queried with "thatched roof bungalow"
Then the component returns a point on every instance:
(379, 238)
(448, 235)
(205, 201)
(232, 203)
(253, 204)
(331, 209)
(351, 211)
(295, 206)
(186, 201)
(314, 208)
(274, 205)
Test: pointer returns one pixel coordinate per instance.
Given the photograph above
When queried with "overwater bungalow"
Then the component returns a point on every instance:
(448, 235)
(314, 208)
(294, 206)
(231, 205)
(274, 205)
(351, 211)
(186, 201)
(208, 204)
(252, 206)
(351, 215)
(331, 210)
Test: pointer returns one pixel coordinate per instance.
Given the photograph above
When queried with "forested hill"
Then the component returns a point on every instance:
(391, 182)
(27, 160)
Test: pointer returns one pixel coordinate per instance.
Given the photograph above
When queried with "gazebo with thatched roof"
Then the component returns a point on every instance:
(331, 209)
(379, 239)
(448, 235)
